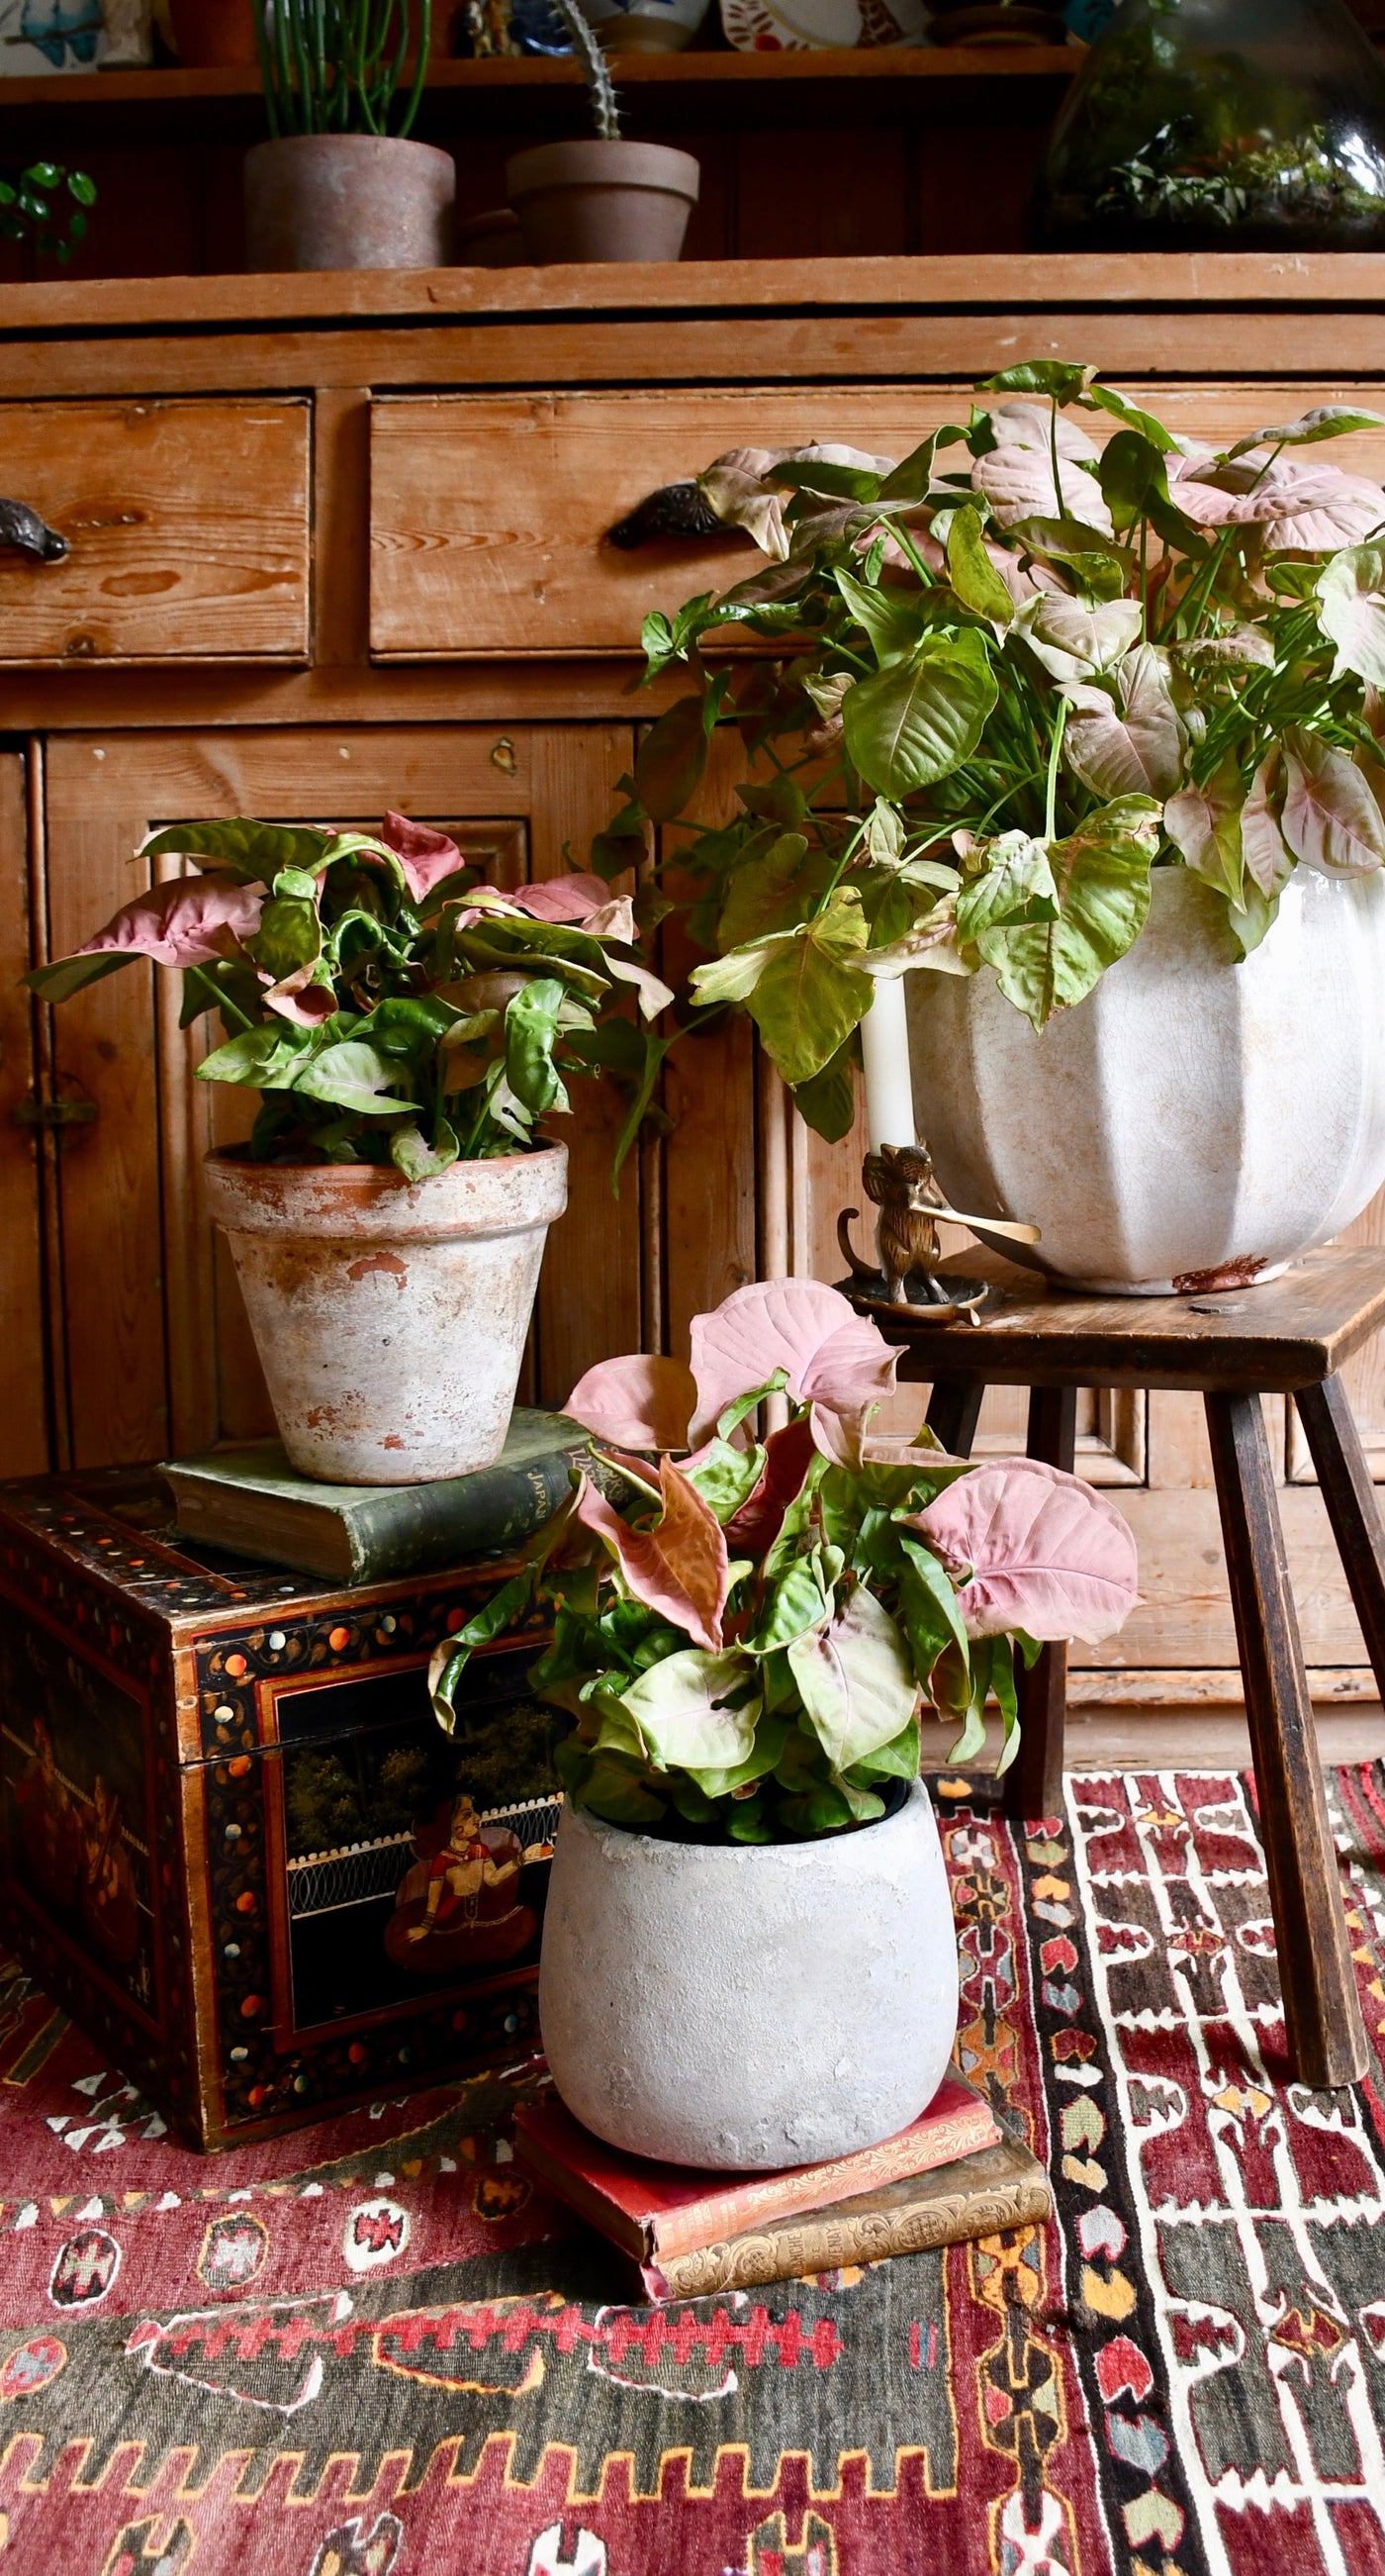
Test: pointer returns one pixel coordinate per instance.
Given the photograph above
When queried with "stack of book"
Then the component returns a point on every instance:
(950, 2177)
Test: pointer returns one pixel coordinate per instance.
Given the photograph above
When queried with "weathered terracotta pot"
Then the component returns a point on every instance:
(348, 201)
(743, 2007)
(602, 201)
(1195, 1123)
(389, 1315)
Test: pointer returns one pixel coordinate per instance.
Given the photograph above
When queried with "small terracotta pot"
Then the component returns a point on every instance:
(213, 33)
(389, 1315)
(602, 201)
(348, 201)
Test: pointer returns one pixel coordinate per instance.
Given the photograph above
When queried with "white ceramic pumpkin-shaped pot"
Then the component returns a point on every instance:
(1196, 1122)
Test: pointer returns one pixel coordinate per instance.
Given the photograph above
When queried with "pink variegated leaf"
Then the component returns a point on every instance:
(831, 1357)
(641, 1402)
(1331, 820)
(570, 899)
(1310, 508)
(425, 856)
(680, 1567)
(1033, 1548)
(185, 923)
(1267, 860)
(307, 1007)
(789, 1454)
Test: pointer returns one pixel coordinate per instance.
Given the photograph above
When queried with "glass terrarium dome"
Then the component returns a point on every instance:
(1221, 124)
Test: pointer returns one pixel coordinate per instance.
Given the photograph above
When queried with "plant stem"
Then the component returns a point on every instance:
(1051, 787)
(229, 1010)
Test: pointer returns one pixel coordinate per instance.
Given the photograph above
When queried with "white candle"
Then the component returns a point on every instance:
(885, 1053)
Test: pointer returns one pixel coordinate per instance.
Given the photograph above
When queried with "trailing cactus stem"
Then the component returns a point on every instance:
(586, 45)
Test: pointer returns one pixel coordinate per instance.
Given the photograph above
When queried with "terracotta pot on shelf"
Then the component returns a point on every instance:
(597, 201)
(214, 34)
(389, 1315)
(343, 201)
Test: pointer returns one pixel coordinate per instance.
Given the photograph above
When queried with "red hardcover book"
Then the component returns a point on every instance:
(658, 2212)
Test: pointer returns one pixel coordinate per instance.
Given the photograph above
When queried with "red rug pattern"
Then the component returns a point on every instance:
(373, 2349)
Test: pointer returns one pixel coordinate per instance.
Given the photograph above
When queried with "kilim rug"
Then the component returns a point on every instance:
(373, 2350)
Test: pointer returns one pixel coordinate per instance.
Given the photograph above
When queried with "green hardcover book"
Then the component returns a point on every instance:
(250, 1501)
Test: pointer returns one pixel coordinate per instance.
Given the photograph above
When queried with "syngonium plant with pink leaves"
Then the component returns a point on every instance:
(747, 1649)
(388, 1005)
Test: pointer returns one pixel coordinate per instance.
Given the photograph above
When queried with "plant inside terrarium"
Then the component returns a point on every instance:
(746, 1649)
(996, 685)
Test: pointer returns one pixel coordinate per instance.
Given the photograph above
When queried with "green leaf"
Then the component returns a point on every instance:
(265, 1057)
(1327, 420)
(1133, 476)
(81, 187)
(833, 482)
(1017, 886)
(1120, 407)
(916, 721)
(69, 975)
(726, 1477)
(1053, 376)
(928, 1608)
(912, 478)
(856, 1680)
(973, 575)
(454, 1654)
(798, 1601)
(808, 998)
(531, 1029)
(289, 934)
(772, 893)
(696, 1710)
(671, 759)
(891, 618)
(1101, 569)
(253, 851)
(664, 640)
(827, 1100)
(897, 1760)
(1351, 611)
(1102, 875)
(355, 1076)
(416, 1157)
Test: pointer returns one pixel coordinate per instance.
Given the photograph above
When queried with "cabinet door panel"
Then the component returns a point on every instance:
(187, 527)
(23, 1407)
(156, 1341)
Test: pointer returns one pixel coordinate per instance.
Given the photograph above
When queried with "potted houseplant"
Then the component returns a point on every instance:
(335, 188)
(1083, 741)
(407, 1028)
(32, 208)
(605, 198)
(749, 1958)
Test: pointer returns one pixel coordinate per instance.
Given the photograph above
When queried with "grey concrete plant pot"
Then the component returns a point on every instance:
(348, 201)
(742, 2007)
(602, 201)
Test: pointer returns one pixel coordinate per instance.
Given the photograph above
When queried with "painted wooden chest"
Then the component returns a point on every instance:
(237, 1848)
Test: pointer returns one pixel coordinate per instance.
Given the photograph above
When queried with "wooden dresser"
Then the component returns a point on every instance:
(336, 542)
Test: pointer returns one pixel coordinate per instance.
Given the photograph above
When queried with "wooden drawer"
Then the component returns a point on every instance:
(187, 525)
(488, 510)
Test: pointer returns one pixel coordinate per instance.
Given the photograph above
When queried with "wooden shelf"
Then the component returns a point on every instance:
(675, 72)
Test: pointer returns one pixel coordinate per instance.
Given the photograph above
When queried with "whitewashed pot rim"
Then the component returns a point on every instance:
(803, 1852)
(499, 1194)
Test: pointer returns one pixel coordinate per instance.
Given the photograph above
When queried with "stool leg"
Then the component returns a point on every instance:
(1034, 1782)
(1352, 1508)
(953, 1407)
(1322, 2016)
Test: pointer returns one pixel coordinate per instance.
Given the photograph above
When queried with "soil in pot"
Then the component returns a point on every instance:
(342, 201)
(742, 2007)
(389, 1315)
(602, 201)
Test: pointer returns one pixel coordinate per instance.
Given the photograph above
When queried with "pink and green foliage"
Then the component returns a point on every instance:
(1059, 645)
(747, 1644)
(387, 1004)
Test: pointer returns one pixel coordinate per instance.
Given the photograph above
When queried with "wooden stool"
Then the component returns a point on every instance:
(1289, 1337)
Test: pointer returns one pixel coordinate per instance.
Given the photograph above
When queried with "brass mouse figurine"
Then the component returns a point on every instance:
(902, 1184)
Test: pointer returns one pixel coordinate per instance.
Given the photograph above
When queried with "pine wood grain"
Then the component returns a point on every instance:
(187, 525)
(489, 512)
(24, 1440)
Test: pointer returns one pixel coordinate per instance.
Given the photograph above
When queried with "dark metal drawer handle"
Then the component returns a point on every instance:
(54, 1113)
(22, 527)
(675, 510)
